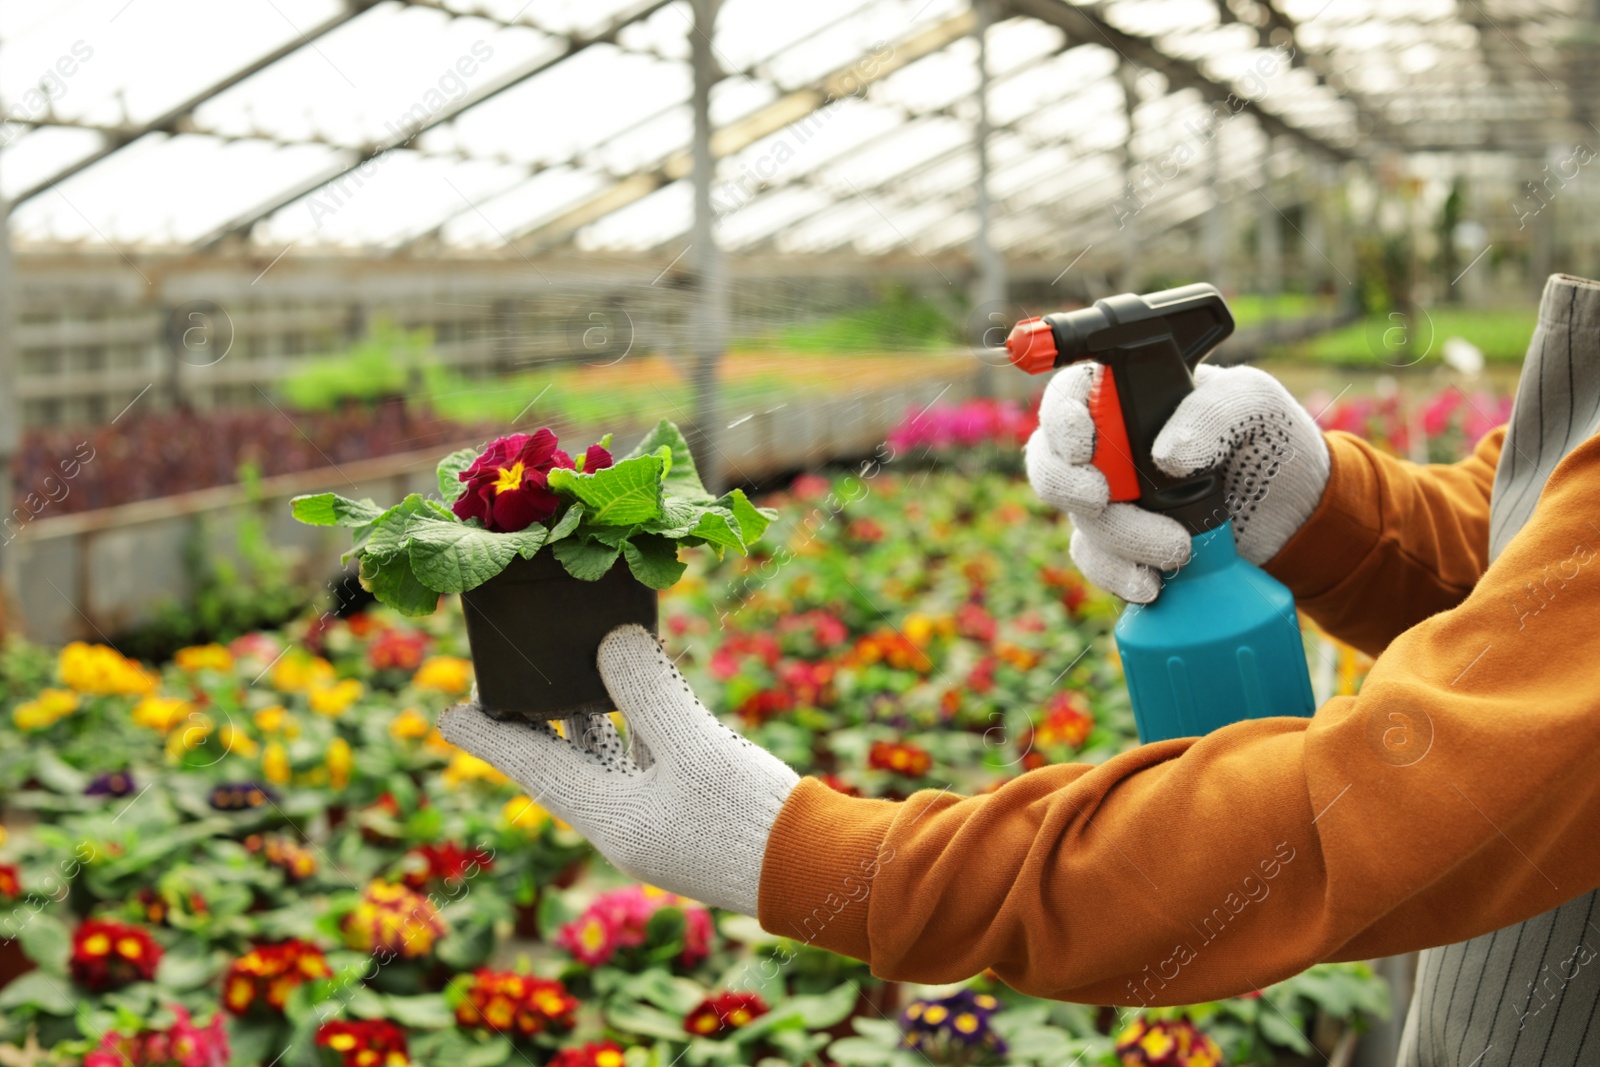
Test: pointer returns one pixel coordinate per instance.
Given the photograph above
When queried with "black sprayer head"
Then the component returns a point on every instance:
(1149, 346)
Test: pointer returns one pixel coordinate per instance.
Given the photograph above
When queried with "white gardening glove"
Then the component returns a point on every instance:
(688, 808)
(1239, 420)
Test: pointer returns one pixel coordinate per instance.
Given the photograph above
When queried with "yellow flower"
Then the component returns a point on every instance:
(276, 720)
(275, 763)
(193, 732)
(332, 700)
(299, 671)
(918, 629)
(204, 658)
(339, 761)
(238, 742)
(99, 669)
(46, 709)
(409, 725)
(468, 768)
(522, 813)
(447, 674)
(160, 713)
(435, 742)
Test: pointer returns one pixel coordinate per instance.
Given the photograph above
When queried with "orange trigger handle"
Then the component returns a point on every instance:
(1112, 453)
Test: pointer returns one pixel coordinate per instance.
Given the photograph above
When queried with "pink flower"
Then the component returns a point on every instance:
(183, 1044)
(591, 938)
(508, 487)
(1437, 414)
(620, 919)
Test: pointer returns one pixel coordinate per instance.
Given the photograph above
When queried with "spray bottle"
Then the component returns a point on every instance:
(1222, 642)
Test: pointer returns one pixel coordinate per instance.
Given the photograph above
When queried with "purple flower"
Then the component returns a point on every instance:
(110, 784)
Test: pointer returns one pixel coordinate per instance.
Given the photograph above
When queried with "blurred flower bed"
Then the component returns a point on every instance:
(264, 853)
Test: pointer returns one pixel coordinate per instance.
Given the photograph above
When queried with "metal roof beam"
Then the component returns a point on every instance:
(756, 71)
(1083, 24)
(241, 226)
(174, 118)
(764, 121)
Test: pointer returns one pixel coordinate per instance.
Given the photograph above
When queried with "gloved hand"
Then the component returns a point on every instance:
(688, 808)
(1240, 420)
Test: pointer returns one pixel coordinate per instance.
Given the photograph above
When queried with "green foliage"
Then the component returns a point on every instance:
(1503, 336)
(232, 595)
(899, 321)
(642, 508)
(389, 361)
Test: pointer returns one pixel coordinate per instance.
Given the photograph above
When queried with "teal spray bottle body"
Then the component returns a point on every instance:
(1222, 642)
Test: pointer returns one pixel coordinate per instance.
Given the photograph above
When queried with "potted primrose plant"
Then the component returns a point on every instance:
(549, 553)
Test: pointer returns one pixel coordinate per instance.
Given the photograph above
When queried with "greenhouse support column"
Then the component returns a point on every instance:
(10, 429)
(990, 297)
(1216, 220)
(708, 316)
(1127, 213)
(1269, 242)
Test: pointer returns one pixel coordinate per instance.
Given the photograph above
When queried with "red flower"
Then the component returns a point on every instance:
(365, 1042)
(109, 955)
(1071, 585)
(511, 1003)
(401, 650)
(448, 862)
(726, 661)
(508, 487)
(899, 757)
(1166, 1043)
(766, 704)
(838, 785)
(724, 1013)
(981, 678)
(266, 975)
(974, 622)
(1068, 720)
(10, 883)
(594, 1054)
(811, 684)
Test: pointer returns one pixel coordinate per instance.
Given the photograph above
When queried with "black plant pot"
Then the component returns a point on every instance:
(535, 631)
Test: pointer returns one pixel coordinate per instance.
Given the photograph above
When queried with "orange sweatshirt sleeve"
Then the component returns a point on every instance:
(1454, 795)
(1391, 542)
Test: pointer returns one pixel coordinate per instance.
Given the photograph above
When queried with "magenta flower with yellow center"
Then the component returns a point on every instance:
(508, 487)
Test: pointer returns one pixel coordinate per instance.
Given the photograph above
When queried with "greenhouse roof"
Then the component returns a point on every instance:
(522, 126)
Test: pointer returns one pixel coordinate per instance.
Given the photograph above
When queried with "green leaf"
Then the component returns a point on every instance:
(455, 557)
(39, 991)
(627, 493)
(59, 776)
(331, 509)
(653, 559)
(859, 1052)
(718, 526)
(568, 523)
(184, 971)
(681, 478)
(753, 521)
(645, 1021)
(1280, 1031)
(449, 470)
(585, 559)
(678, 517)
(425, 1012)
(393, 583)
(391, 531)
(821, 1011)
(46, 941)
